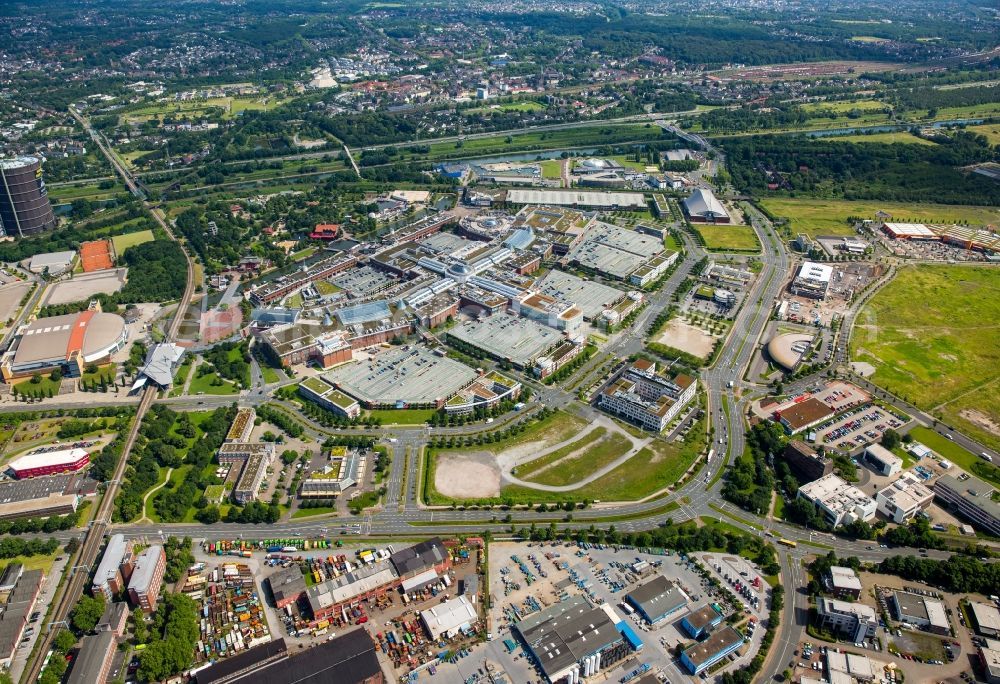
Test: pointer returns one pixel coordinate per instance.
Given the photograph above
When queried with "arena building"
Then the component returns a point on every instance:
(48, 463)
(703, 207)
(67, 343)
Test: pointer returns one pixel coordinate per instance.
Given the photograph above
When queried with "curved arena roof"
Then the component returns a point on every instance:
(92, 334)
(787, 349)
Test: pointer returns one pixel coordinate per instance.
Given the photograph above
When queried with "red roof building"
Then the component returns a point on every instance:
(325, 231)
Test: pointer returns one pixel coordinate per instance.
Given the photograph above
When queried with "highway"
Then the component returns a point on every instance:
(66, 597)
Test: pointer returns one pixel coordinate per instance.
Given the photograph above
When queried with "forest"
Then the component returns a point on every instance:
(802, 166)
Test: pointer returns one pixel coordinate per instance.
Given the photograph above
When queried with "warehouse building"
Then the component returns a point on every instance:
(904, 498)
(115, 568)
(856, 621)
(803, 414)
(971, 498)
(572, 640)
(364, 583)
(843, 582)
(922, 611)
(702, 206)
(287, 585)
(147, 578)
(805, 463)
(574, 198)
(348, 659)
(813, 280)
(52, 263)
(48, 463)
(39, 497)
(642, 395)
(707, 653)
(701, 621)
(448, 619)
(849, 667)
(14, 618)
(986, 618)
(883, 461)
(989, 659)
(657, 599)
(66, 343)
(840, 502)
(93, 662)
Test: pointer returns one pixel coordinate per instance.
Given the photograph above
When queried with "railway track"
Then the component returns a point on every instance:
(79, 568)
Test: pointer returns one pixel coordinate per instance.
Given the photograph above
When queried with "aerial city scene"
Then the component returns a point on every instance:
(524, 342)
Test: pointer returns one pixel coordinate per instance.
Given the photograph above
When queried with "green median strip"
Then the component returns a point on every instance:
(660, 510)
(818, 545)
(721, 510)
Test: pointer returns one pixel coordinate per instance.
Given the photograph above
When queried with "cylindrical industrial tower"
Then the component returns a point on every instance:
(24, 202)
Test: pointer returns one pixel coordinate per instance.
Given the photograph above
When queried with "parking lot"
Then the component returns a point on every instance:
(859, 427)
(605, 575)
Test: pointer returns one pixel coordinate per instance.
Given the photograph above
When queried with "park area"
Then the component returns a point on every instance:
(123, 242)
(830, 217)
(728, 238)
(933, 337)
(890, 138)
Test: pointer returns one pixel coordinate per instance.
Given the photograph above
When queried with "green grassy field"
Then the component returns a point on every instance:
(991, 131)
(884, 138)
(551, 168)
(654, 468)
(525, 471)
(204, 385)
(42, 563)
(310, 512)
(123, 242)
(403, 416)
(933, 335)
(231, 106)
(829, 217)
(845, 106)
(597, 449)
(723, 238)
(526, 106)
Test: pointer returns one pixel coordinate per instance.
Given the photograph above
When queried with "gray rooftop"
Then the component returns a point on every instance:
(521, 340)
(566, 633)
(161, 362)
(412, 375)
(94, 651)
(145, 568)
(658, 597)
(111, 560)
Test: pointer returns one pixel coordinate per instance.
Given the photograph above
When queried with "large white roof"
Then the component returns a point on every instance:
(61, 457)
(819, 273)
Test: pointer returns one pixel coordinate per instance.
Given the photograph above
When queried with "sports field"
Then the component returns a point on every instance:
(123, 242)
(723, 238)
(991, 131)
(829, 217)
(933, 335)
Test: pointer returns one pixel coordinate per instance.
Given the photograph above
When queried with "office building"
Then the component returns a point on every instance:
(147, 578)
(801, 415)
(346, 659)
(646, 397)
(242, 425)
(251, 477)
(701, 621)
(855, 621)
(971, 498)
(849, 667)
(922, 611)
(904, 498)
(571, 640)
(813, 280)
(93, 663)
(840, 502)
(657, 599)
(805, 463)
(345, 469)
(115, 568)
(707, 653)
(883, 461)
(114, 619)
(25, 209)
(989, 659)
(843, 582)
